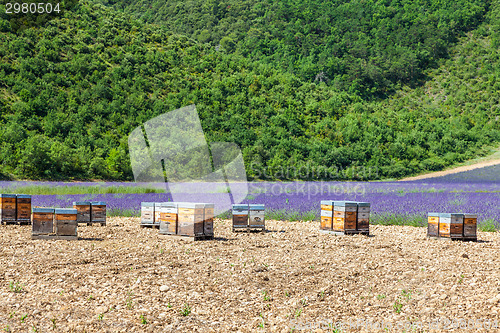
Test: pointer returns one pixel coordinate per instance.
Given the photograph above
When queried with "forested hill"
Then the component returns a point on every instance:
(365, 47)
(73, 88)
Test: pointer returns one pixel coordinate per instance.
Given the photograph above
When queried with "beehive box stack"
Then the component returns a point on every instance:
(451, 225)
(433, 224)
(190, 219)
(42, 221)
(363, 218)
(98, 212)
(83, 211)
(7, 208)
(326, 215)
(65, 223)
(157, 214)
(240, 217)
(23, 208)
(147, 214)
(208, 220)
(470, 227)
(256, 216)
(344, 216)
(168, 218)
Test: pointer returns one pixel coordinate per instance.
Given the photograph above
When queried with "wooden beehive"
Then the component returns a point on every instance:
(65, 221)
(344, 216)
(23, 208)
(451, 225)
(190, 219)
(83, 211)
(147, 213)
(157, 213)
(240, 216)
(98, 212)
(326, 215)
(7, 208)
(208, 219)
(363, 217)
(168, 218)
(433, 224)
(256, 216)
(470, 226)
(42, 221)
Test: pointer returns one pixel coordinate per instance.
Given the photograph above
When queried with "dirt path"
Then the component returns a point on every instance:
(491, 160)
(121, 278)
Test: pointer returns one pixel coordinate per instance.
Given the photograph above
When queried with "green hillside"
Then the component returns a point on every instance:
(72, 89)
(365, 47)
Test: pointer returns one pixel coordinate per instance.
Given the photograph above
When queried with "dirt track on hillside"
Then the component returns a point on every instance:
(454, 170)
(121, 278)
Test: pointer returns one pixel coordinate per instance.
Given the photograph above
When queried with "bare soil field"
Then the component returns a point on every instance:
(121, 278)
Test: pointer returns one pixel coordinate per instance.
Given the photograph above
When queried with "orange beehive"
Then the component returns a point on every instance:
(168, 218)
(23, 208)
(326, 215)
(344, 216)
(7, 208)
(433, 224)
(42, 221)
(65, 221)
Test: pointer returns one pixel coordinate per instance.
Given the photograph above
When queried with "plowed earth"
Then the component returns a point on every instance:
(123, 278)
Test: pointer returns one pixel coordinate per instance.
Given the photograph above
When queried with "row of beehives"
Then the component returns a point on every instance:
(179, 218)
(58, 221)
(64, 221)
(15, 208)
(452, 225)
(90, 211)
(345, 216)
(248, 216)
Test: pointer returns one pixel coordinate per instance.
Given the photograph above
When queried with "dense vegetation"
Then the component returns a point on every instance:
(73, 90)
(364, 47)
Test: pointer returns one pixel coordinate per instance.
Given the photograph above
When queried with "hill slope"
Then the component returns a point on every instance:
(364, 47)
(73, 90)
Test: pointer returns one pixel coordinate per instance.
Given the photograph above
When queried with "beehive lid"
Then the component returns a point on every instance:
(434, 214)
(158, 204)
(43, 210)
(147, 204)
(327, 202)
(209, 205)
(169, 204)
(81, 203)
(345, 203)
(449, 215)
(470, 216)
(363, 204)
(24, 196)
(256, 207)
(65, 211)
(7, 195)
(240, 206)
(189, 205)
(98, 203)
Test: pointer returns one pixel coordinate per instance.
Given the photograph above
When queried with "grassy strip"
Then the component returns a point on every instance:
(291, 215)
(396, 219)
(77, 189)
(123, 212)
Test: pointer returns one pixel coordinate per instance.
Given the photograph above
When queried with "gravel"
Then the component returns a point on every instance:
(123, 278)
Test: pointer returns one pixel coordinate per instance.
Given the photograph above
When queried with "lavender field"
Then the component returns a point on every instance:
(404, 203)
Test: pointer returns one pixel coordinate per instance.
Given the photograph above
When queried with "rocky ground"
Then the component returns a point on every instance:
(121, 278)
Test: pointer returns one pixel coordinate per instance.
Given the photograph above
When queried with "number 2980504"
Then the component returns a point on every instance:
(32, 8)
